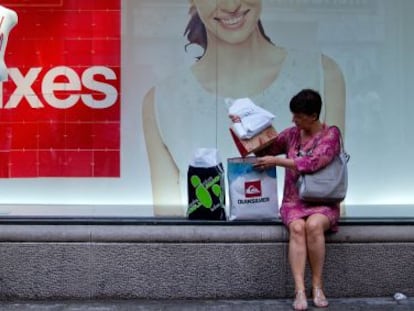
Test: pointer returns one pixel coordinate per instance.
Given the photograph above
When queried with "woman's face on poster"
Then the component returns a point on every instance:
(231, 21)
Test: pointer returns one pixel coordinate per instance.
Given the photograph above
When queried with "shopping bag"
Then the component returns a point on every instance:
(253, 192)
(256, 143)
(206, 186)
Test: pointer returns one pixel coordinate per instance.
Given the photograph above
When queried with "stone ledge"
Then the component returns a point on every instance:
(147, 233)
(75, 260)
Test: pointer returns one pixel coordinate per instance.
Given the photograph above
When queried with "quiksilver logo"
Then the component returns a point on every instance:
(252, 189)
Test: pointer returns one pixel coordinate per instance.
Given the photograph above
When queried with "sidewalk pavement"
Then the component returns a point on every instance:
(338, 304)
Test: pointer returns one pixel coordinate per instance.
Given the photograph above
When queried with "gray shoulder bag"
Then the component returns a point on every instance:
(327, 185)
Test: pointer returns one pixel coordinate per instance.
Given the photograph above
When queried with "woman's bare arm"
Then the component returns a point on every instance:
(164, 173)
(334, 93)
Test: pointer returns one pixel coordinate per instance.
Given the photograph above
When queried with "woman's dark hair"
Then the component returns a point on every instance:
(307, 101)
(196, 31)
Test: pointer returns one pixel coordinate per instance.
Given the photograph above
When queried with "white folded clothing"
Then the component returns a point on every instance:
(253, 119)
(205, 157)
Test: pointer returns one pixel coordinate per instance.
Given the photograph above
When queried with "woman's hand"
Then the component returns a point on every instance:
(265, 162)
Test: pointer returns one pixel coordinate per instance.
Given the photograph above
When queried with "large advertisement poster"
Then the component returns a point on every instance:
(356, 53)
(77, 68)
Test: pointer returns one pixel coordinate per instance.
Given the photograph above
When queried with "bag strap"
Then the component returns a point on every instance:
(341, 141)
(346, 154)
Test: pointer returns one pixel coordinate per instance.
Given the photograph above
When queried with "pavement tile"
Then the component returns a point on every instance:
(338, 304)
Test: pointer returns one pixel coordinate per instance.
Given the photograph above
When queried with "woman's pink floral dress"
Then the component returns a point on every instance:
(325, 144)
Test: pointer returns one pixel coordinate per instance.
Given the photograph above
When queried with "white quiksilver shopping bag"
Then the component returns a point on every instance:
(253, 192)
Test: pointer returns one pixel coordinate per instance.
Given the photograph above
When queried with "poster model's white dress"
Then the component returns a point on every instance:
(189, 117)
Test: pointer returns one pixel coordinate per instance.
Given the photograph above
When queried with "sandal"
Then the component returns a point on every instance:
(319, 299)
(300, 302)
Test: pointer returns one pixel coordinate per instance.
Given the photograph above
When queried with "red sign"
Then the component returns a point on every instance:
(60, 107)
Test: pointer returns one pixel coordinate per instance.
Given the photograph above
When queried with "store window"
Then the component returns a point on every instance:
(106, 101)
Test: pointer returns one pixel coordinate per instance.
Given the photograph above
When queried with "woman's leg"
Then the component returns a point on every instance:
(297, 252)
(316, 225)
(297, 260)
